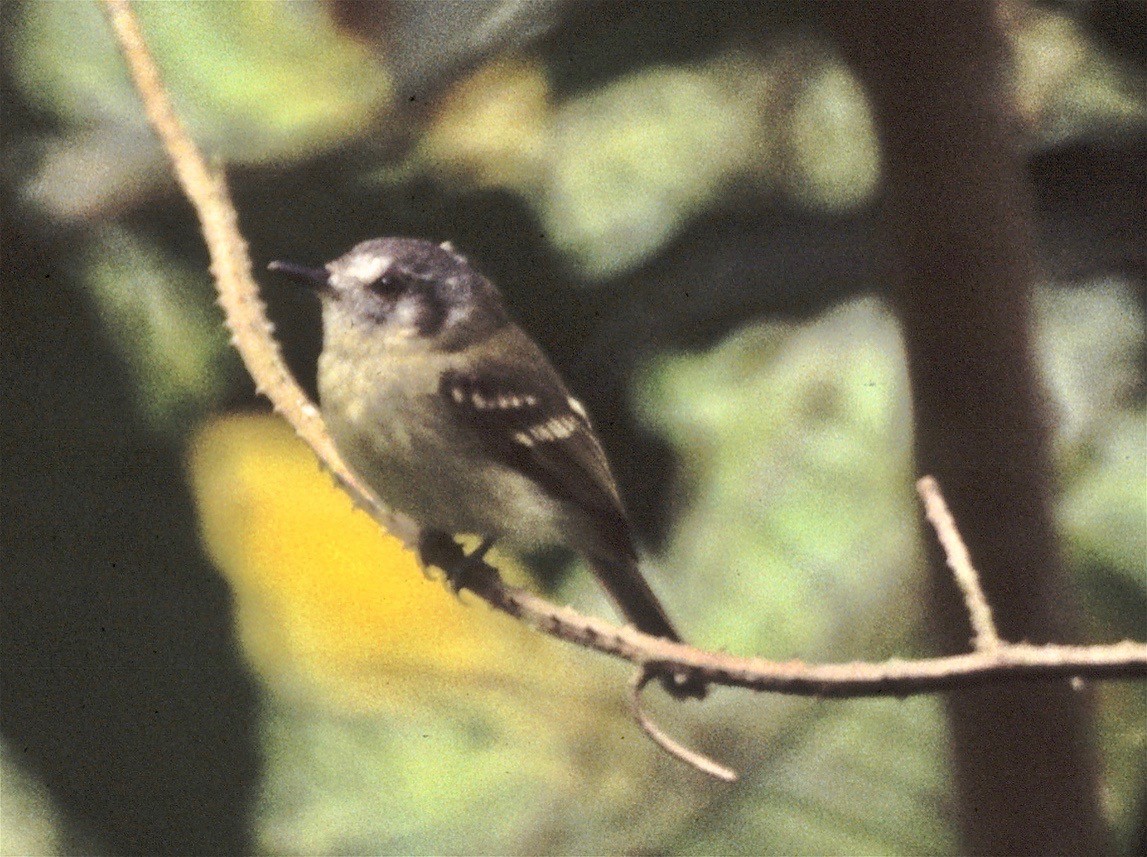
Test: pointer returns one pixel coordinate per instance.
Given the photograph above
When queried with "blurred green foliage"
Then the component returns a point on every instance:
(793, 520)
(160, 315)
(255, 80)
(788, 436)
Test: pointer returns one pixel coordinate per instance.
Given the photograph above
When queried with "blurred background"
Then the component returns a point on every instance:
(206, 650)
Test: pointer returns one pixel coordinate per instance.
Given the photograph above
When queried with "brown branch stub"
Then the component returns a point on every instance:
(984, 634)
(675, 749)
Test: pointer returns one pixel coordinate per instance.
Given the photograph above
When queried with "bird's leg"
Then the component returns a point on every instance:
(438, 548)
(459, 576)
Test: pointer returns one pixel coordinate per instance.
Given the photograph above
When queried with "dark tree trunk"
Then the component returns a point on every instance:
(958, 234)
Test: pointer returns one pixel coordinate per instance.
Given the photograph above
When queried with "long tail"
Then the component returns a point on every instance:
(633, 594)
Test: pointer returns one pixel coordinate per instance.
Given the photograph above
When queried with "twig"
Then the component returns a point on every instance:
(679, 751)
(252, 336)
(984, 634)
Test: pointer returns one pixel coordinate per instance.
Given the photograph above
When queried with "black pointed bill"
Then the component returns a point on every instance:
(317, 279)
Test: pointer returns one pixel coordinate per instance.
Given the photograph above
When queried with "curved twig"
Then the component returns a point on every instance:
(679, 751)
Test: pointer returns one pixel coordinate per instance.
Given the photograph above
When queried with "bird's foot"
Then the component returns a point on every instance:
(439, 549)
(683, 686)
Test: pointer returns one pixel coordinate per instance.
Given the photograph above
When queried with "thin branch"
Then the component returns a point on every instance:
(897, 677)
(252, 335)
(244, 312)
(679, 751)
(984, 634)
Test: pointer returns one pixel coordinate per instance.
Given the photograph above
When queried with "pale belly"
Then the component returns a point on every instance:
(401, 439)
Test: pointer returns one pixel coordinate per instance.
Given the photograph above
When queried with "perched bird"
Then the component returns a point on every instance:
(454, 416)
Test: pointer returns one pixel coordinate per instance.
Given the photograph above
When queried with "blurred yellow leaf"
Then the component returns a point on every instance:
(325, 600)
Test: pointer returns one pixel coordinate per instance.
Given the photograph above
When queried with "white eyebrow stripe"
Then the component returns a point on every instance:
(578, 408)
(366, 268)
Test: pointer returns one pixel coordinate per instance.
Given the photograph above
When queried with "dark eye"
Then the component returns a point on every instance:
(388, 285)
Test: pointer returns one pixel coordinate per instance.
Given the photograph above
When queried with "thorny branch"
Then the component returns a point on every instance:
(993, 661)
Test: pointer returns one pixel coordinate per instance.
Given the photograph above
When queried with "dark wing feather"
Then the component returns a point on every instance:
(530, 423)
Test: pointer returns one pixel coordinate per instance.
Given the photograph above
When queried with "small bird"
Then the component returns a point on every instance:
(454, 416)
